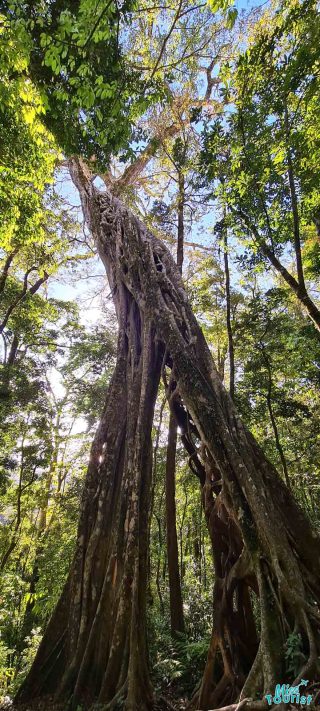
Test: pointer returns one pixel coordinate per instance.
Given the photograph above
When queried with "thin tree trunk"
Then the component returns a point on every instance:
(7, 264)
(181, 202)
(9, 361)
(23, 293)
(228, 305)
(297, 285)
(274, 422)
(294, 203)
(175, 593)
(13, 351)
(158, 566)
(154, 479)
(176, 607)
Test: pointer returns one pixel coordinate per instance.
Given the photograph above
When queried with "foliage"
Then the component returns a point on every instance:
(261, 156)
(87, 77)
(293, 653)
(72, 54)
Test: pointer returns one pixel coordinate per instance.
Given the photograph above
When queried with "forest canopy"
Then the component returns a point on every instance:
(160, 355)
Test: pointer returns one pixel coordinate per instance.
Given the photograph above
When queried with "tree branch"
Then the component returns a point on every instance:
(166, 40)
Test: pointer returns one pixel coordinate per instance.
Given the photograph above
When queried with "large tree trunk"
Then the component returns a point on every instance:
(234, 640)
(94, 648)
(264, 541)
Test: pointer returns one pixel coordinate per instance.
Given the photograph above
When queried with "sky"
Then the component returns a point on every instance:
(82, 289)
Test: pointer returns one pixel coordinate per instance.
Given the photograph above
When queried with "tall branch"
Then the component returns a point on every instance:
(133, 172)
(228, 304)
(292, 282)
(7, 264)
(24, 292)
(166, 40)
(294, 203)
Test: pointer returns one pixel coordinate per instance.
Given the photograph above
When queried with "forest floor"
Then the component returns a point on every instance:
(163, 703)
(45, 704)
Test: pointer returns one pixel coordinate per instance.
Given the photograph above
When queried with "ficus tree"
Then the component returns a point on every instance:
(263, 541)
(266, 553)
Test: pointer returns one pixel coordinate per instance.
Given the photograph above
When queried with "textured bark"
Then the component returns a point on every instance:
(234, 641)
(95, 645)
(94, 648)
(262, 540)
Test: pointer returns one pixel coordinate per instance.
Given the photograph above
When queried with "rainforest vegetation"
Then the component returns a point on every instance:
(160, 354)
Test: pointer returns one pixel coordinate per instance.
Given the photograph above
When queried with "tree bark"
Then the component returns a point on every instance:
(294, 202)
(273, 419)
(95, 644)
(263, 542)
(228, 305)
(176, 606)
(175, 593)
(94, 648)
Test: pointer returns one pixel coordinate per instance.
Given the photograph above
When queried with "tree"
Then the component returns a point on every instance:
(61, 56)
(44, 448)
(72, 52)
(278, 385)
(259, 155)
(265, 550)
(221, 227)
(266, 544)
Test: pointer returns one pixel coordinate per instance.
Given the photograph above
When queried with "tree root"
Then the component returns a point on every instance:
(248, 704)
(167, 703)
